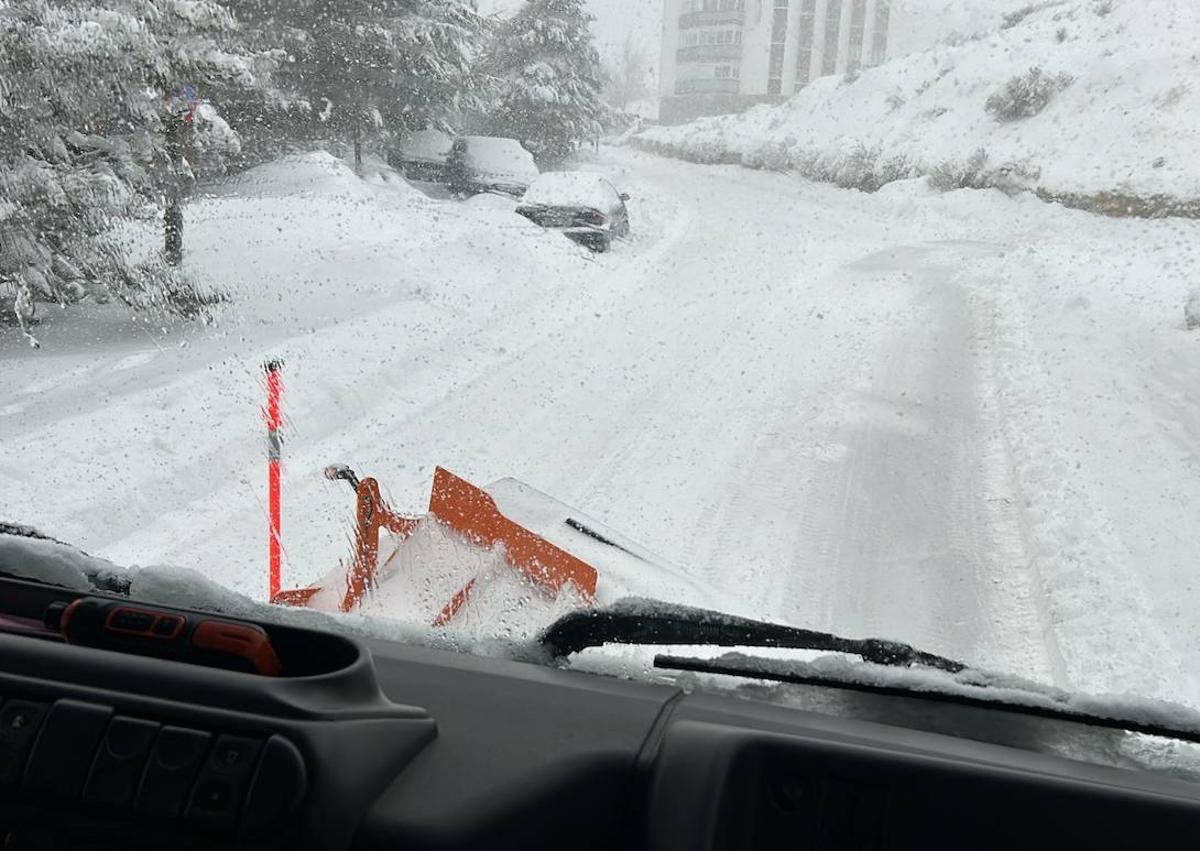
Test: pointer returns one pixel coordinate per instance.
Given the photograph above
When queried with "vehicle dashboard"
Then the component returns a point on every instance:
(370, 744)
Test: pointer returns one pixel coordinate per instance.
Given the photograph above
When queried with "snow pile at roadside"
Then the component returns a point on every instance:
(1118, 78)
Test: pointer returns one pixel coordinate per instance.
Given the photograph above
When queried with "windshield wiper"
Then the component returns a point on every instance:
(647, 622)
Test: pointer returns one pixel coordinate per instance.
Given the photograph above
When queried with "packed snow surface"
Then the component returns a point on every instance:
(965, 421)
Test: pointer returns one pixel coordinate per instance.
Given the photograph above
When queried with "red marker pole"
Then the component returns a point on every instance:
(274, 453)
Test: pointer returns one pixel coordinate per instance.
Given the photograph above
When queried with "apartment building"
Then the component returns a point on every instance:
(725, 55)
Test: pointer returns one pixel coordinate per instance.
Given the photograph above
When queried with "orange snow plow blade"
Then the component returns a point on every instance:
(471, 512)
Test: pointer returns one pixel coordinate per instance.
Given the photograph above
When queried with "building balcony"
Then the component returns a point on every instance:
(708, 86)
(708, 52)
(712, 18)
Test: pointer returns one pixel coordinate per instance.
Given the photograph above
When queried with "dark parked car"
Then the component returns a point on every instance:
(583, 205)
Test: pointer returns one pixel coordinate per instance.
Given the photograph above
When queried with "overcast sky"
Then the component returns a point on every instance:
(617, 18)
(614, 20)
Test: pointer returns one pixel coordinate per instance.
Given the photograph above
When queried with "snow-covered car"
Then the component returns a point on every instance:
(423, 155)
(583, 205)
(490, 164)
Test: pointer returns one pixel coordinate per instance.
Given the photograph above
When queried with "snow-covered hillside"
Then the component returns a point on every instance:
(1119, 79)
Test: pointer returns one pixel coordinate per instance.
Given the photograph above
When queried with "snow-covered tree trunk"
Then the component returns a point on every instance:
(173, 214)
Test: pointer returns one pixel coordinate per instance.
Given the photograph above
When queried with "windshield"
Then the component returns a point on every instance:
(895, 333)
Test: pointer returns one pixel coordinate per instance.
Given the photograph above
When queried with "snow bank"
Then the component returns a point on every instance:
(1121, 112)
(313, 174)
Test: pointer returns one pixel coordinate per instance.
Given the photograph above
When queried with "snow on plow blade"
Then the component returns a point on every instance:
(467, 510)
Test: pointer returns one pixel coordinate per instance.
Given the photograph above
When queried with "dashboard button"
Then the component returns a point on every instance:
(166, 626)
(278, 786)
(119, 762)
(221, 787)
(62, 755)
(177, 756)
(130, 620)
(20, 721)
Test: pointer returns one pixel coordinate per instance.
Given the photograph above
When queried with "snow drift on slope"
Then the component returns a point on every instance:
(1122, 112)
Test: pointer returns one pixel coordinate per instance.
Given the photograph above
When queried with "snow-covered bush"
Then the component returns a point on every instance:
(773, 156)
(960, 174)
(1026, 95)
(977, 172)
(857, 169)
(1013, 18)
(1191, 311)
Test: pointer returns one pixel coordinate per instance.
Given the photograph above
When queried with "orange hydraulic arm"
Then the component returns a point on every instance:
(471, 512)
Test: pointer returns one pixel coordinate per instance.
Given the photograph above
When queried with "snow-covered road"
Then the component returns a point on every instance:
(843, 411)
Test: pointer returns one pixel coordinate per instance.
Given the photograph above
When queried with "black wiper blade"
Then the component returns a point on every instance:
(657, 624)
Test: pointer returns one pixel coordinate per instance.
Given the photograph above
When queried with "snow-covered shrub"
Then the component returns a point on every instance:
(1025, 95)
(1015, 17)
(772, 156)
(161, 288)
(857, 169)
(961, 174)
(976, 172)
(895, 168)
(1191, 311)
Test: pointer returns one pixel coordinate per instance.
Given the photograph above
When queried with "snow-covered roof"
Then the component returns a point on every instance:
(495, 157)
(572, 188)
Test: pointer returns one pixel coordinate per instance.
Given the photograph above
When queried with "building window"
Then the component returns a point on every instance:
(833, 31)
(727, 72)
(806, 29)
(694, 38)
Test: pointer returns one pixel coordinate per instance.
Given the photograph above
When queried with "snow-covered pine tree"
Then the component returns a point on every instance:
(369, 65)
(548, 78)
(83, 108)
